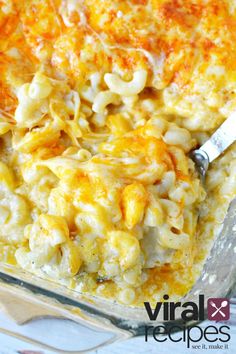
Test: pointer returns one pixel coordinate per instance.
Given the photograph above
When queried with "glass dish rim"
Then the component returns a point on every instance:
(58, 298)
(90, 305)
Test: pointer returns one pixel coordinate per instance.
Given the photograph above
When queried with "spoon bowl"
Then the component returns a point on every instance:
(224, 303)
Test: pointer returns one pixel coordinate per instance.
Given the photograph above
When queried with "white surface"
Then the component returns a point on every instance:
(133, 346)
(10, 345)
(62, 333)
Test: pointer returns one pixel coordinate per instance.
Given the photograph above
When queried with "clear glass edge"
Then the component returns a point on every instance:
(122, 317)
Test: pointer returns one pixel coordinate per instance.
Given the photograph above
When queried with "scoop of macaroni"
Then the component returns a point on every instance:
(99, 109)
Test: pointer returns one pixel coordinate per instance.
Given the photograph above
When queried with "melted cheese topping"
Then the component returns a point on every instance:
(99, 108)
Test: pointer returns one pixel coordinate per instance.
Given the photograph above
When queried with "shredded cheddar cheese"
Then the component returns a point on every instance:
(100, 105)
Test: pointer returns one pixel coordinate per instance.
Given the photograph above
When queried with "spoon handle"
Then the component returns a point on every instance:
(224, 136)
(218, 310)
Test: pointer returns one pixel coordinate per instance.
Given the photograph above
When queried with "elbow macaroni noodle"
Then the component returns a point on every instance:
(120, 87)
(103, 99)
(96, 186)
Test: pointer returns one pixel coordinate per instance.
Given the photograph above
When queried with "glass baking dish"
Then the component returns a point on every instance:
(217, 279)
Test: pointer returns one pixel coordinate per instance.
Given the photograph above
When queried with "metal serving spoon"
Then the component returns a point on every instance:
(224, 136)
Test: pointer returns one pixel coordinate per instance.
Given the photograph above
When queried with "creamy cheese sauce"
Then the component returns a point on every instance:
(99, 108)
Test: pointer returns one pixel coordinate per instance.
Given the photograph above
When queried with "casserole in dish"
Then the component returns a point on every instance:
(98, 114)
(100, 107)
(113, 321)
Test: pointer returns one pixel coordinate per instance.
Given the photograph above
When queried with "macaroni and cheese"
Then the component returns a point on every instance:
(99, 109)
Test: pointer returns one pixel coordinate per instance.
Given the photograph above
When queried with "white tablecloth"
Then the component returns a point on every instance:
(10, 345)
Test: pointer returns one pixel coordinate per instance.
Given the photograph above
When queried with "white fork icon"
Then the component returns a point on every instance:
(218, 309)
